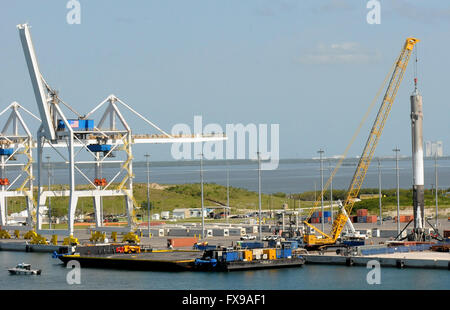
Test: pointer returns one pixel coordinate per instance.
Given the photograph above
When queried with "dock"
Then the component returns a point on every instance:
(428, 259)
(23, 246)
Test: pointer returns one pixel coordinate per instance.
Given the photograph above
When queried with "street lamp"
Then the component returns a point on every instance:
(147, 156)
(321, 182)
(49, 199)
(228, 195)
(331, 191)
(203, 205)
(396, 150)
(436, 181)
(259, 193)
(379, 191)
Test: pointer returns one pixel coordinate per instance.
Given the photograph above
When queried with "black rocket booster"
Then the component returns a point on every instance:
(417, 161)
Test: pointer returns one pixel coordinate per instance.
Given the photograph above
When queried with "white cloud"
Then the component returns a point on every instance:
(339, 53)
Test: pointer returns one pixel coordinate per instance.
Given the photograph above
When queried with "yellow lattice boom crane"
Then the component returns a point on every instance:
(399, 68)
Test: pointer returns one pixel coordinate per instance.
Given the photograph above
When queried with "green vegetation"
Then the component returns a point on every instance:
(169, 197)
(388, 200)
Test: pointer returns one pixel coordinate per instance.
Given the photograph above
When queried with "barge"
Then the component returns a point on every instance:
(248, 259)
(123, 256)
(219, 259)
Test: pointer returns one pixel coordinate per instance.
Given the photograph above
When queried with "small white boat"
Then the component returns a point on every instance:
(23, 268)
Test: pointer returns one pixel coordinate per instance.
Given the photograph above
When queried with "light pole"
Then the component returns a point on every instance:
(228, 195)
(436, 181)
(259, 194)
(396, 150)
(147, 156)
(49, 199)
(331, 193)
(201, 186)
(379, 191)
(321, 188)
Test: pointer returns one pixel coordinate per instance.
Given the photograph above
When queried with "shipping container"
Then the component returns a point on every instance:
(258, 251)
(290, 244)
(279, 253)
(362, 219)
(182, 242)
(362, 212)
(230, 256)
(271, 253)
(403, 218)
(371, 219)
(248, 255)
(287, 253)
(252, 245)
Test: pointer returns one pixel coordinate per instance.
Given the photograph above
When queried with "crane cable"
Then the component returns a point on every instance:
(338, 165)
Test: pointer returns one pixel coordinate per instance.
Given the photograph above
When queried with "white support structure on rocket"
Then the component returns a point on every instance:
(417, 162)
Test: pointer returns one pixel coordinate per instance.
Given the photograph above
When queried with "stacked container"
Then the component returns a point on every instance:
(257, 253)
(230, 256)
(371, 219)
(252, 245)
(404, 218)
(287, 253)
(362, 219)
(362, 215)
(271, 253)
(248, 255)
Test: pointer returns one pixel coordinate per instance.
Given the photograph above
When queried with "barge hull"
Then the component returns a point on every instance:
(263, 264)
(129, 263)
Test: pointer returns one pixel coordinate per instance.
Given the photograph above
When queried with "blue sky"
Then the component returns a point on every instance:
(311, 66)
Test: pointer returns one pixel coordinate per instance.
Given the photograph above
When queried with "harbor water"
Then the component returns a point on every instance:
(291, 176)
(307, 277)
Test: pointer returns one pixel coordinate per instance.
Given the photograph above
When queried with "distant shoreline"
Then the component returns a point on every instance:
(234, 162)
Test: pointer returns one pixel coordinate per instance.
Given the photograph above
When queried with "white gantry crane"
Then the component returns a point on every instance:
(16, 168)
(109, 143)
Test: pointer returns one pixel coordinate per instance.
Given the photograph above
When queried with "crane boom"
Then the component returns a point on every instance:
(37, 81)
(369, 149)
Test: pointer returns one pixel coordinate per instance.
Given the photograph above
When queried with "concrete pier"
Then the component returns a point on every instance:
(433, 260)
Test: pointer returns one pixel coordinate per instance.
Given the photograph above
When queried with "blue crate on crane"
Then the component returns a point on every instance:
(77, 124)
(95, 148)
(6, 152)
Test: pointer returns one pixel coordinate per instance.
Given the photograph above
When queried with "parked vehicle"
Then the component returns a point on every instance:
(269, 238)
(248, 237)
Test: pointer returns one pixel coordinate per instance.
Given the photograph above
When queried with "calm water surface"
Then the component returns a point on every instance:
(308, 277)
